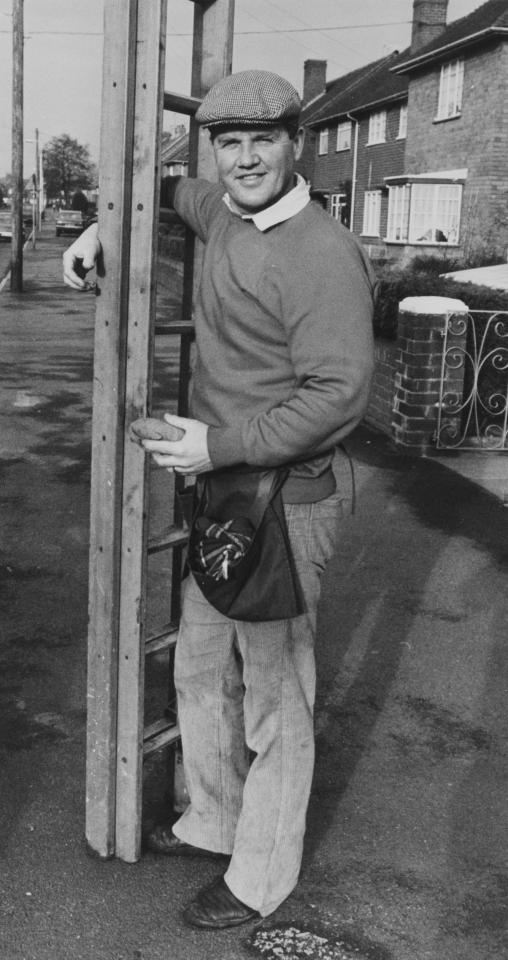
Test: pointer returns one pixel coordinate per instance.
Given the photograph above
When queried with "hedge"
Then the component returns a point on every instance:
(395, 286)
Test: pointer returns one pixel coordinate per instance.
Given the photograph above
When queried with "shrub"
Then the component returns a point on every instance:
(394, 285)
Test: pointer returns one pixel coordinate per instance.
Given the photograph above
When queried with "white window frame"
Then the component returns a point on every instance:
(337, 204)
(344, 135)
(323, 142)
(402, 134)
(372, 213)
(399, 198)
(423, 213)
(377, 127)
(451, 86)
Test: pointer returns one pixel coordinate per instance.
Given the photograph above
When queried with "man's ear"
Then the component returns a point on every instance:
(298, 142)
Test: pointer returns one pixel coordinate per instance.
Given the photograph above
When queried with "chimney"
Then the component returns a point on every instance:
(314, 79)
(429, 21)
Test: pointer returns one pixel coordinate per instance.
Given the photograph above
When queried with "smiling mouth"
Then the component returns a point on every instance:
(251, 178)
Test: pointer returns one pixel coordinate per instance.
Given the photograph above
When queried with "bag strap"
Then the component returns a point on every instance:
(269, 486)
(349, 458)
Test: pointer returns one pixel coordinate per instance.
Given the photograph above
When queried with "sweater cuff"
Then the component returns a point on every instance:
(225, 446)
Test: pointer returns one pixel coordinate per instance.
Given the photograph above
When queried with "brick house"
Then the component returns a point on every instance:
(175, 153)
(411, 151)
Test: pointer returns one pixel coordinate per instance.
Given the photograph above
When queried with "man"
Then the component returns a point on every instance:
(283, 324)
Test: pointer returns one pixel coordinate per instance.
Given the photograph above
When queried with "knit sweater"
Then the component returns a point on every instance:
(283, 323)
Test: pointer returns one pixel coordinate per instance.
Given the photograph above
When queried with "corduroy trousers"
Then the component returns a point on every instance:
(245, 706)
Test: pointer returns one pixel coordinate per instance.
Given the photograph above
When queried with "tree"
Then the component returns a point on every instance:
(67, 167)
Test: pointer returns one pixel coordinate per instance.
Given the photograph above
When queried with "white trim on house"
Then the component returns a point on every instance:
(458, 175)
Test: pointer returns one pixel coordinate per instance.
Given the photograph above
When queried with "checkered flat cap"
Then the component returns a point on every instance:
(251, 96)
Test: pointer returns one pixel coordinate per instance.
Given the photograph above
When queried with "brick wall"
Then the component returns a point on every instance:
(477, 139)
(376, 162)
(331, 171)
(380, 412)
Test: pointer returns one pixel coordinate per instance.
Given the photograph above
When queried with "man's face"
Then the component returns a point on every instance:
(256, 166)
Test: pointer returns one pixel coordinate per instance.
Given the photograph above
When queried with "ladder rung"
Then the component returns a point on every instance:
(167, 539)
(174, 329)
(158, 735)
(168, 215)
(180, 103)
(182, 328)
(161, 641)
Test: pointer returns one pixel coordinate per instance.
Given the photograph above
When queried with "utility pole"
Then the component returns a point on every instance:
(17, 147)
(38, 179)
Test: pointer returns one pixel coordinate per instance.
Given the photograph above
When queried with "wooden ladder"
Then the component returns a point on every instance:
(130, 171)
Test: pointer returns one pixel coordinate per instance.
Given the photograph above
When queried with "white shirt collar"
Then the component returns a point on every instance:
(285, 208)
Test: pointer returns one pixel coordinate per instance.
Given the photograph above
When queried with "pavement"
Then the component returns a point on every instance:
(406, 853)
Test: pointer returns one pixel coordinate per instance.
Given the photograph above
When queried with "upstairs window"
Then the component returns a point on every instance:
(450, 90)
(377, 127)
(402, 134)
(323, 141)
(344, 136)
(372, 213)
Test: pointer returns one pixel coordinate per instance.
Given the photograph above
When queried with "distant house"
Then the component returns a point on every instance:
(411, 151)
(175, 153)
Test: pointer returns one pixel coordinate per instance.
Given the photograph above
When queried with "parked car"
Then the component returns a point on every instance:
(5, 225)
(70, 222)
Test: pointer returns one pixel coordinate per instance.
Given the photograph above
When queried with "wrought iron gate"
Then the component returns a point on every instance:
(473, 397)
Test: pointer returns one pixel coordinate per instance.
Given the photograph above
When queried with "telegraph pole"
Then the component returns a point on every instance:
(17, 147)
(38, 182)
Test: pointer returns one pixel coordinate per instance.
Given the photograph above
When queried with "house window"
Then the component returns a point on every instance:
(424, 213)
(435, 212)
(377, 127)
(344, 136)
(450, 90)
(337, 204)
(402, 134)
(323, 141)
(398, 212)
(372, 213)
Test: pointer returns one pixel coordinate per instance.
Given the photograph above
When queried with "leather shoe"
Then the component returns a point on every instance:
(216, 907)
(161, 839)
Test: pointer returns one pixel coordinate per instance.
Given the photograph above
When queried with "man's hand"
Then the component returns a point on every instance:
(188, 455)
(87, 248)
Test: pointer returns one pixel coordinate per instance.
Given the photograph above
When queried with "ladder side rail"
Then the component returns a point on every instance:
(141, 324)
(117, 118)
(212, 54)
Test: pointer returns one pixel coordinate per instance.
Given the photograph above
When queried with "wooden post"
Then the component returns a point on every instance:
(119, 66)
(17, 147)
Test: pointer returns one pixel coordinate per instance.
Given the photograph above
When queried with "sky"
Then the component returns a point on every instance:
(63, 54)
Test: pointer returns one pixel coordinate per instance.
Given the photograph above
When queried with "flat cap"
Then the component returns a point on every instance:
(251, 96)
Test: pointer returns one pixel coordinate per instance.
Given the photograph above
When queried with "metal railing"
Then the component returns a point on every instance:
(473, 399)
